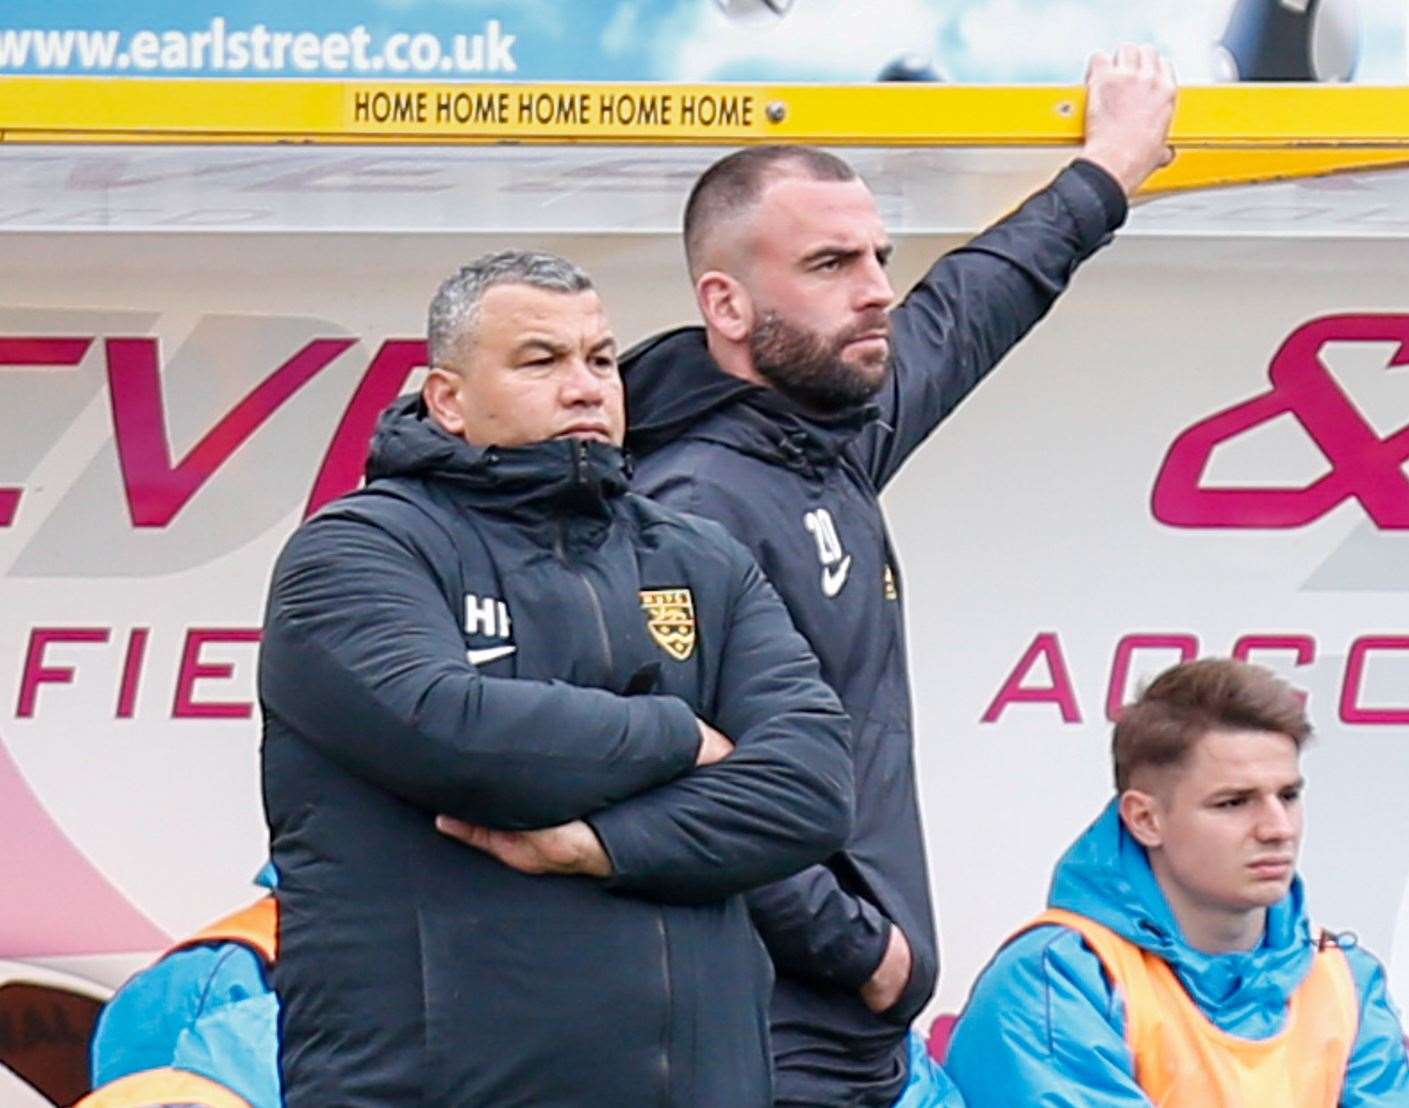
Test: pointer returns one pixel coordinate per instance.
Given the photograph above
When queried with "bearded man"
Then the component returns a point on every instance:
(782, 418)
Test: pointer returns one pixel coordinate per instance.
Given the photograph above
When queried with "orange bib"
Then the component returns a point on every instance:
(1183, 1060)
(257, 926)
(163, 1088)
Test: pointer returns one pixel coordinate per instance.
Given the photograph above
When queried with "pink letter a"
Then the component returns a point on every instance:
(1060, 692)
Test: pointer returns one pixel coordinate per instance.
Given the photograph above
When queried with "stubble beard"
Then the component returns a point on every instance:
(809, 369)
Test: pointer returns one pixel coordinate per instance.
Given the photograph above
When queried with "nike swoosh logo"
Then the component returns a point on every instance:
(489, 654)
(834, 579)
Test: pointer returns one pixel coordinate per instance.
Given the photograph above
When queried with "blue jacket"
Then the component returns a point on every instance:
(785, 483)
(483, 633)
(207, 1009)
(1044, 1027)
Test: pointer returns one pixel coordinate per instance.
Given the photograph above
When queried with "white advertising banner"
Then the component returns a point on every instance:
(1203, 450)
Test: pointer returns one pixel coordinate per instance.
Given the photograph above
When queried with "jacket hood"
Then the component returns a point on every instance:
(572, 475)
(674, 389)
(672, 384)
(1106, 876)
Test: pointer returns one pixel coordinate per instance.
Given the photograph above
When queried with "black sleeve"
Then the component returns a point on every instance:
(977, 301)
(813, 928)
(817, 931)
(362, 657)
(781, 801)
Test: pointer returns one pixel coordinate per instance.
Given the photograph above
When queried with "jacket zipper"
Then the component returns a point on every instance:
(579, 455)
(669, 998)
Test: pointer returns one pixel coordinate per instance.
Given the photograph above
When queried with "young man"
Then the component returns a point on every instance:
(603, 696)
(783, 418)
(1177, 964)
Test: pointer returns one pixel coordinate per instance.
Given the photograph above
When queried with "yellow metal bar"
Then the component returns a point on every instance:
(1225, 134)
(88, 109)
(1211, 167)
(82, 109)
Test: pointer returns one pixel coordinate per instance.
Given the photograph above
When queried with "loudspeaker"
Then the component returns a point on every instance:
(1290, 40)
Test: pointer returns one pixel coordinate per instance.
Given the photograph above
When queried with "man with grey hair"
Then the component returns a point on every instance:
(456, 304)
(495, 643)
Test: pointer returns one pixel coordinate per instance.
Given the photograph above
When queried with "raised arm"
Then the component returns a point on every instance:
(977, 301)
(363, 658)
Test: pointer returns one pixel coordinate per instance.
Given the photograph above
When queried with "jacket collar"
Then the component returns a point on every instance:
(1106, 876)
(558, 478)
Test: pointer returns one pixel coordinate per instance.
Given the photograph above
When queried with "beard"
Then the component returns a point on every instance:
(809, 369)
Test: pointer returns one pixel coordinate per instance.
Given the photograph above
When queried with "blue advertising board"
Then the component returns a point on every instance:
(972, 41)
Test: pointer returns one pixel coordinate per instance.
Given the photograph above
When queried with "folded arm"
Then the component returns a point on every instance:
(778, 802)
(781, 801)
(363, 658)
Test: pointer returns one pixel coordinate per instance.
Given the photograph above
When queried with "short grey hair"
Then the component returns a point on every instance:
(455, 307)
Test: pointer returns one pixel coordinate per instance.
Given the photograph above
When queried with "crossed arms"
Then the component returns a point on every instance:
(362, 657)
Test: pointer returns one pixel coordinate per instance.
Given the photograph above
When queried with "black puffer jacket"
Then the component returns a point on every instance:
(417, 971)
(802, 493)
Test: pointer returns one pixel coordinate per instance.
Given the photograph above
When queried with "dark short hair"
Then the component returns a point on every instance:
(1185, 703)
(735, 182)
